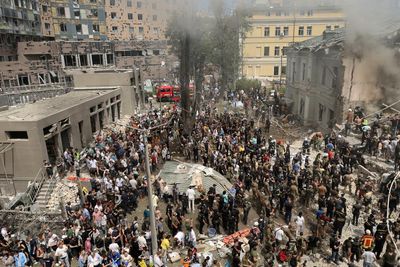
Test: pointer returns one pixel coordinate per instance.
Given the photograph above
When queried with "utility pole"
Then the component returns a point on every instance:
(153, 230)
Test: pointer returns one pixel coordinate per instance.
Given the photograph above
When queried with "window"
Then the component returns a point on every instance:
(336, 27)
(110, 59)
(303, 76)
(93, 123)
(97, 59)
(77, 13)
(277, 31)
(92, 109)
(130, 16)
(310, 13)
(96, 28)
(47, 26)
(309, 30)
(156, 52)
(268, 13)
(83, 60)
(276, 51)
(17, 134)
(23, 80)
(284, 50)
(278, 13)
(93, 1)
(70, 60)
(114, 28)
(129, 3)
(321, 112)
(112, 2)
(93, 13)
(155, 30)
(113, 15)
(61, 11)
(131, 29)
(63, 27)
(140, 17)
(140, 29)
(266, 51)
(283, 70)
(328, 27)
(286, 13)
(323, 75)
(286, 31)
(45, 8)
(335, 77)
(154, 17)
(154, 6)
(293, 72)
(301, 30)
(139, 4)
(302, 104)
(276, 70)
(266, 31)
(78, 28)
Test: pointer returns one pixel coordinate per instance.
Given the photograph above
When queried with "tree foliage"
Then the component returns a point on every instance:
(247, 84)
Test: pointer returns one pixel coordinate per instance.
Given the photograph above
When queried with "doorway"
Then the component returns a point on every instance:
(51, 146)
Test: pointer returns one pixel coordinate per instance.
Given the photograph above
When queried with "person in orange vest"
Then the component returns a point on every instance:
(367, 240)
(186, 261)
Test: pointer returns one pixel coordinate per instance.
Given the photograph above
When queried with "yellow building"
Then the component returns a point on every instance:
(274, 26)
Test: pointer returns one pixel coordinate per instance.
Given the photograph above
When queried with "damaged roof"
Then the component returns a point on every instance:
(327, 39)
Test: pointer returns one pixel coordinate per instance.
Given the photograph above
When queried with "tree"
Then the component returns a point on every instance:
(247, 84)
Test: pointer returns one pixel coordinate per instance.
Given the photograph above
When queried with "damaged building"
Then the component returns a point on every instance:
(331, 73)
(44, 65)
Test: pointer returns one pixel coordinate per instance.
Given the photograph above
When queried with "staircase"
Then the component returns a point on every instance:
(44, 194)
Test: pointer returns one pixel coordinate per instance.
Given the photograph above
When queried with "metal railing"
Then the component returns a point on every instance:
(37, 184)
(52, 181)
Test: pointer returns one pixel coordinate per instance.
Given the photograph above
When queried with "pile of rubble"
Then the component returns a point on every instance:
(66, 190)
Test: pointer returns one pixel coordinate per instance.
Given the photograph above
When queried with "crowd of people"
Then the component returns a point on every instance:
(303, 203)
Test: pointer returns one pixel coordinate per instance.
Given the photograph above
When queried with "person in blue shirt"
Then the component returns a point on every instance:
(20, 258)
(115, 258)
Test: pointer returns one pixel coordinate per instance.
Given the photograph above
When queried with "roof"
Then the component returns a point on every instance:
(184, 173)
(328, 39)
(44, 108)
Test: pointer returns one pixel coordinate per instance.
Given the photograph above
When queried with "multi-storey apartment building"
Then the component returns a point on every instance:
(20, 20)
(275, 25)
(138, 19)
(78, 20)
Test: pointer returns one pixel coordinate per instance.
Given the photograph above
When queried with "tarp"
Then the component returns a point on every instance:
(187, 174)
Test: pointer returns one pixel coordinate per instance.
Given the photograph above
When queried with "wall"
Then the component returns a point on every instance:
(29, 154)
(258, 65)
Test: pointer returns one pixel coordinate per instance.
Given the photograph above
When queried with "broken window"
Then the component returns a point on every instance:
(110, 59)
(63, 27)
(96, 28)
(335, 77)
(77, 13)
(156, 52)
(114, 29)
(70, 60)
(78, 28)
(93, 13)
(323, 75)
(17, 134)
(97, 59)
(44, 8)
(321, 112)
(61, 11)
(113, 15)
(42, 77)
(93, 123)
(83, 60)
(23, 80)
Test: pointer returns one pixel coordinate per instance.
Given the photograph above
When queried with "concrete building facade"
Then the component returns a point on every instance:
(275, 25)
(43, 130)
(79, 20)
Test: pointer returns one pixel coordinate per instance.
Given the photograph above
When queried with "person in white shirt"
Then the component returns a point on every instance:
(191, 196)
(126, 259)
(142, 241)
(157, 260)
(180, 239)
(192, 237)
(133, 183)
(62, 254)
(300, 223)
(369, 258)
(94, 259)
(279, 235)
